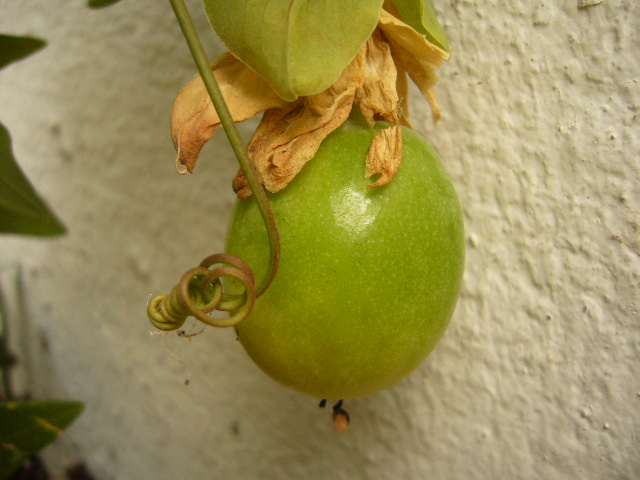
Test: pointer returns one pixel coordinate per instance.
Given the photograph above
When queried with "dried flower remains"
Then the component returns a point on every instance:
(290, 133)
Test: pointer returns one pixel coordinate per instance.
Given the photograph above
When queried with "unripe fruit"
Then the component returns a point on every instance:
(368, 278)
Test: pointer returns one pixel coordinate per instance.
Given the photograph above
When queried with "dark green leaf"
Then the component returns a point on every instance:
(13, 48)
(21, 209)
(10, 461)
(299, 47)
(420, 15)
(101, 3)
(27, 427)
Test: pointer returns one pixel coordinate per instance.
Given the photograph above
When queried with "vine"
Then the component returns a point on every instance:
(200, 291)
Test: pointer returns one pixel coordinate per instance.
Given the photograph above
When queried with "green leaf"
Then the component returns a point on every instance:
(10, 461)
(21, 209)
(27, 427)
(101, 3)
(13, 48)
(420, 15)
(299, 46)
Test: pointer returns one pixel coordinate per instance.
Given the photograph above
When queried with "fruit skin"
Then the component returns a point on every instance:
(368, 278)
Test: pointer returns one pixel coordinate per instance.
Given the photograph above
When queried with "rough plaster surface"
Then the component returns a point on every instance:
(537, 376)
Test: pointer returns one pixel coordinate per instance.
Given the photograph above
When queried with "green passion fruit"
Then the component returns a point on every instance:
(368, 278)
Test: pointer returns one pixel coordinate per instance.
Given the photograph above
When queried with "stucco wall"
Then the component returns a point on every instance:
(537, 377)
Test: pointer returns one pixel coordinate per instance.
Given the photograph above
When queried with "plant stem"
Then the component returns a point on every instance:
(204, 67)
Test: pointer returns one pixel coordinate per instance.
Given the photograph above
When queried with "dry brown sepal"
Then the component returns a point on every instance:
(384, 155)
(194, 118)
(415, 55)
(290, 133)
(287, 138)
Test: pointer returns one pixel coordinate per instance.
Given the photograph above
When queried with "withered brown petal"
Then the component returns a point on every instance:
(194, 118)
(274, 122)
(414, 54)
(378, 96)
(384, 155)
(288, 137)
(402, 87)
(290, 133)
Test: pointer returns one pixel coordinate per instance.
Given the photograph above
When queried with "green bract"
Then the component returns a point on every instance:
(299, 47)
(368, 278)
(420, 15)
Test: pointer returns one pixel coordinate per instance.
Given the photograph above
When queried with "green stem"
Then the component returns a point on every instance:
(204, 67)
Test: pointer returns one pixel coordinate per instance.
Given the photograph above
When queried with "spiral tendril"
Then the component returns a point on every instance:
(201, 292)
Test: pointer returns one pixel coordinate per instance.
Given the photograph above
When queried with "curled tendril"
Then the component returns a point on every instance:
(201, 292)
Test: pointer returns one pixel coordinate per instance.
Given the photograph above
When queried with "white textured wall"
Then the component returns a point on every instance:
(537, 376)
